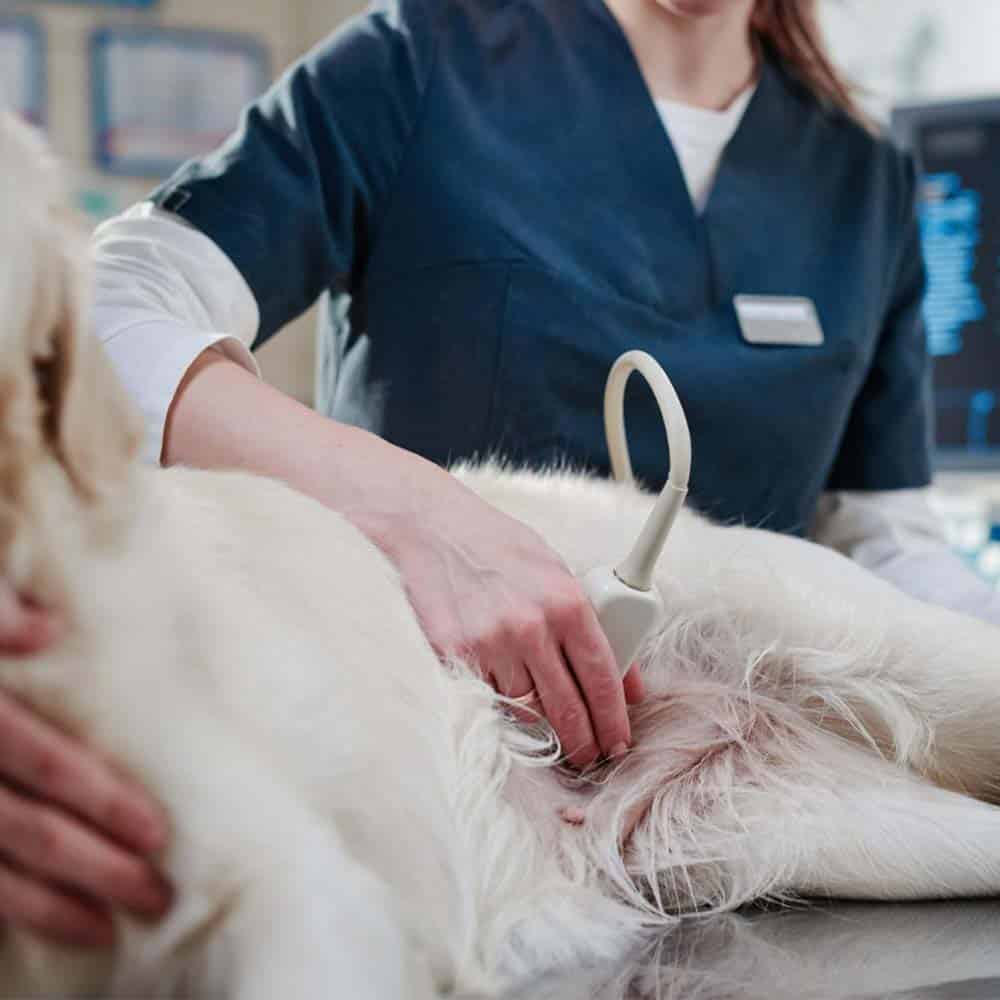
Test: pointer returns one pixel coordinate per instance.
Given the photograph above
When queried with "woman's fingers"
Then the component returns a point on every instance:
(54, 868)
(560, 697)
(593, 664)
(508, 675)
(55, 768)
(559, 651)
(490, 590)
(635, 688)
(54, 848)
(52, 914)
(512, 679)
(59, 876)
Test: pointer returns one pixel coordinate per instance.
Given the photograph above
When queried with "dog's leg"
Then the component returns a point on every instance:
(893, 837)
(855, 655)
(307, 922)
(871, 832)
(741, 798)
(313, 923)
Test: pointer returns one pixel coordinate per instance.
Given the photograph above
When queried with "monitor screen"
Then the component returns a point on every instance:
(957, 148)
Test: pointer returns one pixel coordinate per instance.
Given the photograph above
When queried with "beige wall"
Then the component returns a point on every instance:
(287, 27)
(320, 17)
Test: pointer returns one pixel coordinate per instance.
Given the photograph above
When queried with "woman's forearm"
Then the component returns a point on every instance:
(224, 417)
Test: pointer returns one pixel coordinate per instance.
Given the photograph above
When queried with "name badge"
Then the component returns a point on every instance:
(778, 319)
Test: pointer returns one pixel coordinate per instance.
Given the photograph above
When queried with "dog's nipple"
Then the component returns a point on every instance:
(573, 815)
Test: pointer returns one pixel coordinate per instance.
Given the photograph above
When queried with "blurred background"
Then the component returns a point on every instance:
(897, 50)
(125, 88)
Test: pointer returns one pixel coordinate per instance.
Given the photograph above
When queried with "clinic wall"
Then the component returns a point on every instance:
(320, 17)
(286, 27)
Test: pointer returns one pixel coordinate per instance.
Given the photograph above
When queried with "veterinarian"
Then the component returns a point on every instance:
(494, 200)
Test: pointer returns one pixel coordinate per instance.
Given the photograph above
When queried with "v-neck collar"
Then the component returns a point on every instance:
(663, 205)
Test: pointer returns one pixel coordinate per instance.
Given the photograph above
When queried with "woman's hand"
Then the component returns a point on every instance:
(486, 587)
(75, 837)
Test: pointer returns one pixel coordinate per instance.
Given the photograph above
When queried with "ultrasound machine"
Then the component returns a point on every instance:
(957, 149)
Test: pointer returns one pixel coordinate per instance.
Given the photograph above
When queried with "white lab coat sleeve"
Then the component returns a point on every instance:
(898, 535)
(163, 294)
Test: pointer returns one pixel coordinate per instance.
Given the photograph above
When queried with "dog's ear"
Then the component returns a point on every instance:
(57, 390)
(89, 424)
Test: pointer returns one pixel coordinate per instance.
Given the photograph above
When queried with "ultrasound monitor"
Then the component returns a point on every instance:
(957, 149)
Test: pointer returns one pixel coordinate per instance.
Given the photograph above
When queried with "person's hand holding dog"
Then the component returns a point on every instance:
(76, 837)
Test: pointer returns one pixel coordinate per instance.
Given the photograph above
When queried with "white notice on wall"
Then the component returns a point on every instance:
(165, 96)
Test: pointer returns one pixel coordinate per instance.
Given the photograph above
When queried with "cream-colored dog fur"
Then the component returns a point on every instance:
(349, 816)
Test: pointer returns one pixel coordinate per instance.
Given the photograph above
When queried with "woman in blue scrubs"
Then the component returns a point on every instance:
(495, 199)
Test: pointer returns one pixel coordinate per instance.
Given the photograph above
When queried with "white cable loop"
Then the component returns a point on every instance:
(637, 569)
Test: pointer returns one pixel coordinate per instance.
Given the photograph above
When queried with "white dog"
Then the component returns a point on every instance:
(349, 816)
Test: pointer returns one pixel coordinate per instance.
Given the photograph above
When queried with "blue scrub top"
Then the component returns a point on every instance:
(486, 193)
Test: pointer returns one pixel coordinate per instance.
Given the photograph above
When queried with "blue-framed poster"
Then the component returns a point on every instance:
(22, 67)
(162, 95)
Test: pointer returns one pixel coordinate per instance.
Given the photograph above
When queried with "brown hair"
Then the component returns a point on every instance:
(790, 28)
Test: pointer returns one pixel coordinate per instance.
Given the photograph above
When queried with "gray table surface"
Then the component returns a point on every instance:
(823, 952)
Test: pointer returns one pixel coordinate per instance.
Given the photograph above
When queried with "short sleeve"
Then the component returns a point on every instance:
(294, 196)
(887, 442)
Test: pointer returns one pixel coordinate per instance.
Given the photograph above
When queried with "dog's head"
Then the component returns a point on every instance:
(60, 403)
